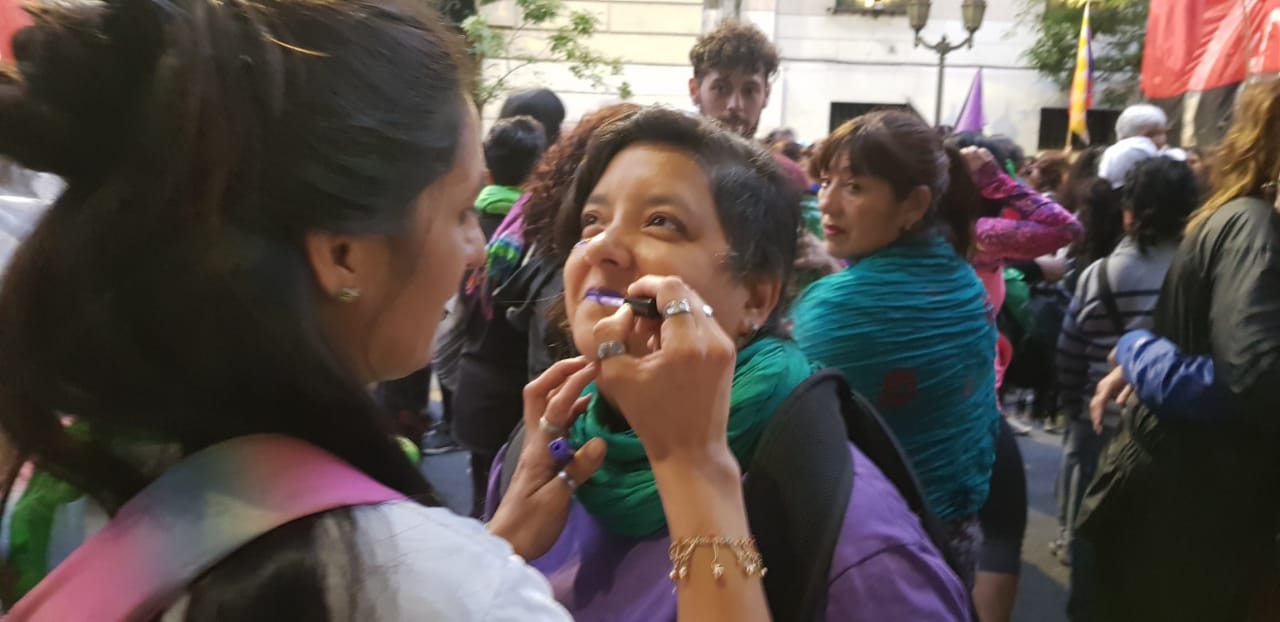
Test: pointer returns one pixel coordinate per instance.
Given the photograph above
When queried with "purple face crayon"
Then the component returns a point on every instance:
(643, 307)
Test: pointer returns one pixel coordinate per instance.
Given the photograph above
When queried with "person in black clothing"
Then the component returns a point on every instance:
(511, 150)
(487, 401)
(1180, 522)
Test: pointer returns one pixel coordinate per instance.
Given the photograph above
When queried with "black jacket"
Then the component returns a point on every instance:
(1183, 514)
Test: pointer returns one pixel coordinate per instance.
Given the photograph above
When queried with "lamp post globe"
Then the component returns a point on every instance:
(973, 11)
(918, 14)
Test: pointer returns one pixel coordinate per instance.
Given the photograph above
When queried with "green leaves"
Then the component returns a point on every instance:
(566, 37)
(485, 41)
(1119, 27)
(538, 12)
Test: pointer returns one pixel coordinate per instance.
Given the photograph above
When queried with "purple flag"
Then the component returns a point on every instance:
(971, 117)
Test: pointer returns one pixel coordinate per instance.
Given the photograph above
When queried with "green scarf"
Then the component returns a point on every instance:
(497, 200)
(623, 494)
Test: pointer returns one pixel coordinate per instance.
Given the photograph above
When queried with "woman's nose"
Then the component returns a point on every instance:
(607, 248)
(826, 204)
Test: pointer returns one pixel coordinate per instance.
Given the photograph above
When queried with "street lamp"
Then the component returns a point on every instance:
(972, 12)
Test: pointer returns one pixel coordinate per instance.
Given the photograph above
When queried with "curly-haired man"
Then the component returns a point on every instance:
(733, 67)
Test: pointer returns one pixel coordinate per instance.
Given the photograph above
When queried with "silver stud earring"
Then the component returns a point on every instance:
(348, 294)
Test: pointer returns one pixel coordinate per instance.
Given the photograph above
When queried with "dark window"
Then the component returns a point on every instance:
(1053, 128)
(871, 7)
(843, 111)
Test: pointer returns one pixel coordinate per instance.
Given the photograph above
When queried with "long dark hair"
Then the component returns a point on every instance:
(167, 292)
(1101, 216)
(1080, 179)
(1160, 193)
(756, 203)
(903, 150)
(1097, 205)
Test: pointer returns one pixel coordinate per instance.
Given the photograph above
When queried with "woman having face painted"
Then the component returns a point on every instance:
(680, 238)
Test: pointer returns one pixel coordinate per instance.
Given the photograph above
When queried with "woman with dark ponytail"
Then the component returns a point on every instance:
(908, 322)
(268, 205)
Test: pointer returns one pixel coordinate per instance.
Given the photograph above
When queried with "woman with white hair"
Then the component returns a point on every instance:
(1145, 120)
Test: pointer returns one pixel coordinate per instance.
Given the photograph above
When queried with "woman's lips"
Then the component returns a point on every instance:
(644, 307)
(831, 230)
(607, 297)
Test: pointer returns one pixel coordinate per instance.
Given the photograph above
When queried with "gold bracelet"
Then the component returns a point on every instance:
(744, 549)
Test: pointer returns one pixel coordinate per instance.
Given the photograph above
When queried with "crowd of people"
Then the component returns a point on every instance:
(701, 376)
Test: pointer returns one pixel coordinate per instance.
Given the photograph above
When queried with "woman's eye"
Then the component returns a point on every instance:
(590, 225)
(661, 220)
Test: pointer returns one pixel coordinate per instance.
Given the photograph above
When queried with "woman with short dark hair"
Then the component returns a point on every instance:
(909, 322)
(676, 208)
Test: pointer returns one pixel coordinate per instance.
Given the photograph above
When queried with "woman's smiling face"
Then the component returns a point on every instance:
(652, 213)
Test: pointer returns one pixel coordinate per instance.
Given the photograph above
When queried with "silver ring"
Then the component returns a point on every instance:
(550, 428)
(679, 306)
(610, 348)
(568, 481)
(708, 311)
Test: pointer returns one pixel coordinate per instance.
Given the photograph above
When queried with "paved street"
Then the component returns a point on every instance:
(1042, 595)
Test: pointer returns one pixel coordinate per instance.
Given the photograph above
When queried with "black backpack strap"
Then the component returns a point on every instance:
(797, 490)
(517, 293)
(1108, 298)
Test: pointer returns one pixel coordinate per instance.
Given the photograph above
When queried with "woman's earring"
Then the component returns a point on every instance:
(348, 294)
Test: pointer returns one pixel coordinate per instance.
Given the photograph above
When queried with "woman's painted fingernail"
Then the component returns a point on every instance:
(561, 449)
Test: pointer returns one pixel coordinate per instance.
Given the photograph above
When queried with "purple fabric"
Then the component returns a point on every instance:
(971, 117)
(883, 568)
(1030, 224)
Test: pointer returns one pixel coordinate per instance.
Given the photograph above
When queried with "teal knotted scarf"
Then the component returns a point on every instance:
(911, 328)
(623, 495)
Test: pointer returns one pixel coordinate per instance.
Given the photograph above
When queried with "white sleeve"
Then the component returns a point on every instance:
(429, 564)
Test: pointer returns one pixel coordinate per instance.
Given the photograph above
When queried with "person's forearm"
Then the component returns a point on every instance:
(703, 498)
(1169, 382)
(1031, 224)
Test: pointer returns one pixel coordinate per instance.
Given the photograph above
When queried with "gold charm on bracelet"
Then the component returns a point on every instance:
(744, 551)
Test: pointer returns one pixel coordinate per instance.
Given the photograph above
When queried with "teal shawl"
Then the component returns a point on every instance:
(623, 495)
(911, 329)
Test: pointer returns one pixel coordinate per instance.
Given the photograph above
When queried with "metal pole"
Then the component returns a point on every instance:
(937, 105)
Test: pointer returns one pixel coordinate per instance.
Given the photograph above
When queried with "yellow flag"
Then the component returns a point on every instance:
(1082, 84)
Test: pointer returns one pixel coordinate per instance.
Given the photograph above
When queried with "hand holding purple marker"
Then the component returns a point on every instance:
(643, 307)
(561, 450)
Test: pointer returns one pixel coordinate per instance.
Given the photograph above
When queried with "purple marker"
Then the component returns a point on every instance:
(643, 307)
(561, 450)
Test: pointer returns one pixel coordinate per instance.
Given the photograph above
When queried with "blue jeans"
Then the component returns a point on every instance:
(1081, 452)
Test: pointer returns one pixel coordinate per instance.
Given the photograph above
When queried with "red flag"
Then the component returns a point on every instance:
(1199, 51)
(12, 17)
